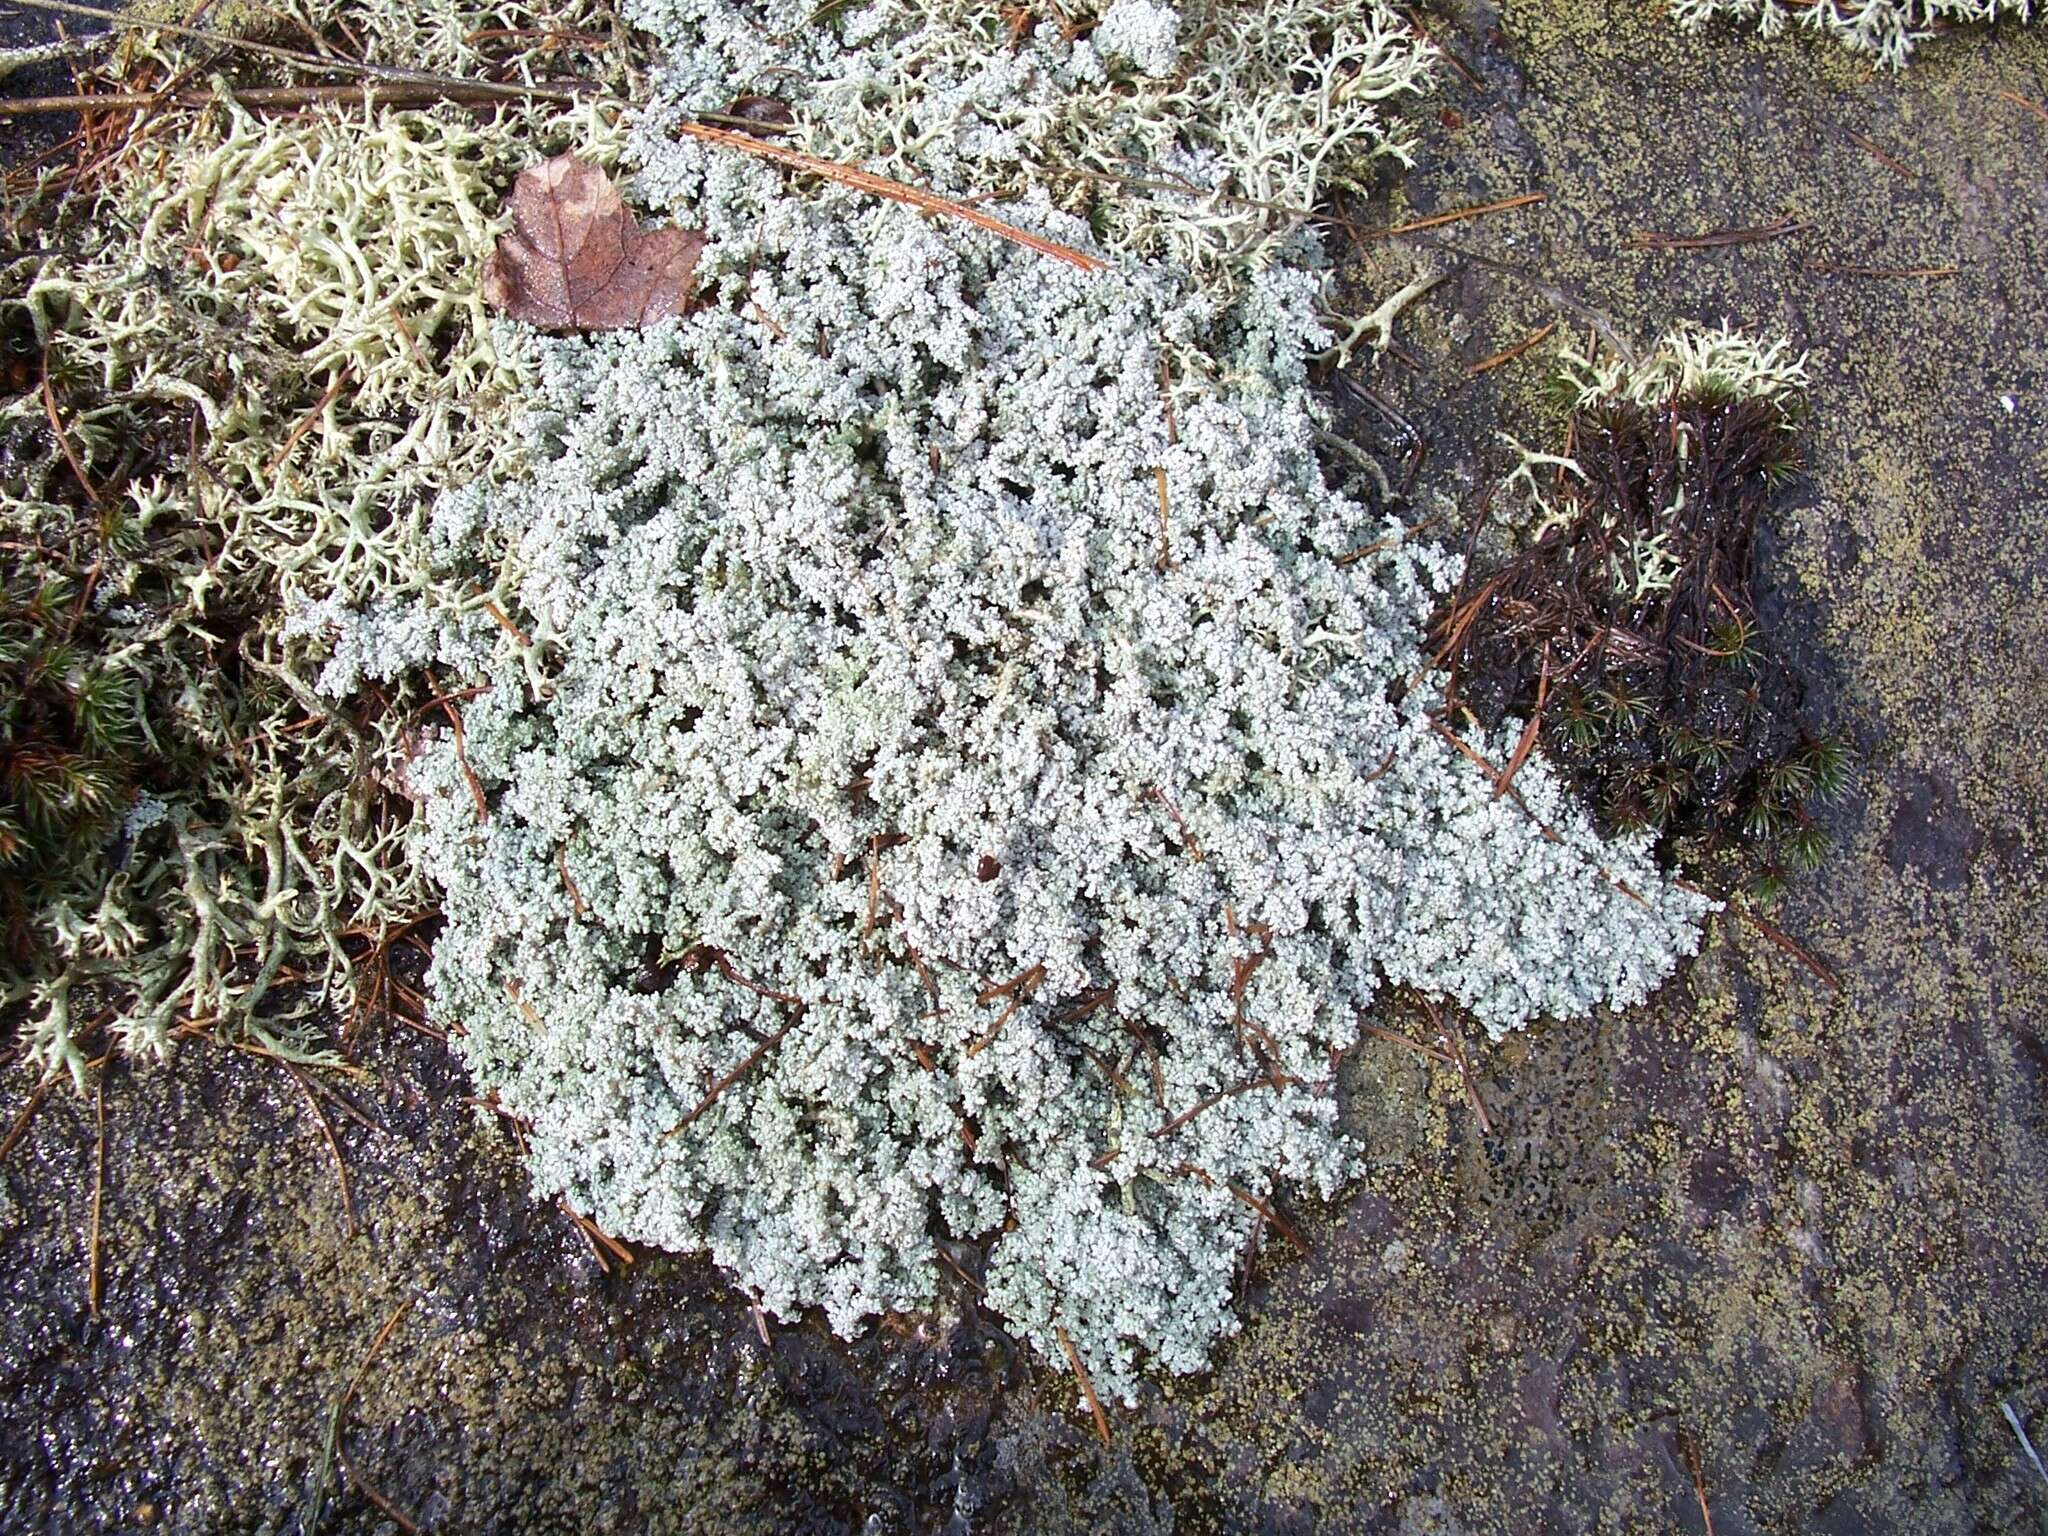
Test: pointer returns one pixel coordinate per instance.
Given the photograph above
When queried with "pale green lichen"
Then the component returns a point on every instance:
(279, 316)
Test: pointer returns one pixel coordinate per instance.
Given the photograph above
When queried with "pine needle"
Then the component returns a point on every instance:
(882, 186)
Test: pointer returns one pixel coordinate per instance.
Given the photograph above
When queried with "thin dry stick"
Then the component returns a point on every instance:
(1087, 1386)
(307, 422)
(28, 1112)
(1487, 365)
(57, 431)
(1831, 269)
(1651, 240)
(99, 1188)
(1280, 1224)
(1456, 215)
(348, 1204)
(2032, 106)
(882, 186)
(731, 1077)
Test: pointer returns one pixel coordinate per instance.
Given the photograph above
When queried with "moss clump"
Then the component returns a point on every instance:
(74, 745)
(1626, 628)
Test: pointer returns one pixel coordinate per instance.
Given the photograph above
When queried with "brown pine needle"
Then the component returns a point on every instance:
(308, 422)
(1651, 240)
(99, 1189)
(476, 788)
(1456, 215)
(1465, 71)
(882, 186)
(1181, 1119)
(1279, 1223)
(1397, 1038)
(375, 1495)
(1087, 1386)
(504, 622)
(569, 882)
(383, 1337)
(58, 432)
(1832, 269)
(281, 98)
(1791, 946)
(1534, 338)
(1453, 1044)
(1690, 1453)
(348, 1204)
(2032, 106)
(1876, 152)
(1165, 561)
(1527, 744)
(730, 1078)
(21, 1121)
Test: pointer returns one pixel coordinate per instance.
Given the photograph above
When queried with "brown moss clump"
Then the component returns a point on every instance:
(1626, 627)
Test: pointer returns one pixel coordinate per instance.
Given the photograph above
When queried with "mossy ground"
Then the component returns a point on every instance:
(1789, 1237)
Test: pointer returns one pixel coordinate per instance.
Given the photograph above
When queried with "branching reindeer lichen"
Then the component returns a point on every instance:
(1888, 30)
(263, 344)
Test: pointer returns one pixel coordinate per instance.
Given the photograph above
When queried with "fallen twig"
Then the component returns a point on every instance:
(731, 1077)
(28, 1112)
(1488, 364)
(1087, 1386)
(882, 186)
(1834, 269)
(1651, 240)
(1456, 216)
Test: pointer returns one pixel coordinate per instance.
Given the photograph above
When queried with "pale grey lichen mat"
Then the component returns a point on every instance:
(980, 777)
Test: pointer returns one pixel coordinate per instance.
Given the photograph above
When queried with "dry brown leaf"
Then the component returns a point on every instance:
(575, 259)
